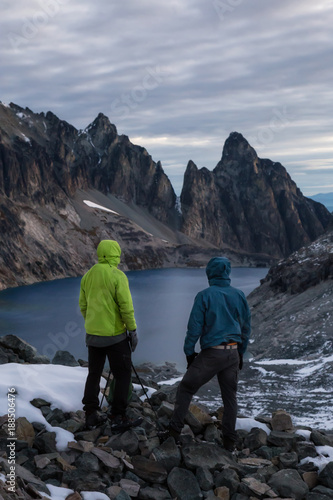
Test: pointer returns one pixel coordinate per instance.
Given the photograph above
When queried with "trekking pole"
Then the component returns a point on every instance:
(140, 382)
(106, 386)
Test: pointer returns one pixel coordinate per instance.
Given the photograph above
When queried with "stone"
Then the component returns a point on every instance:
(288, 483)
(107, 459)
(205, 455)
(325, 477)
(281, 421)
(148, 445)
(87, 462)
(305, 449)
(132, 488)
(282, 439)
(311, 479)
(288, 460)
(41, 461)
(165, 409)
(228, 478)
(156, 493)
(205, 478)
(321, 439)
(46, 442)
(269, 452)
(25, 351)
(25, 430)
(222, 492)
(80, 445)
(122, 495)
(212, 434)
(39, 402)
(64, 358)
(23, 473)
(320, 493)
(183, 484)
(127, 441)
(167, 454)
(256, 462)
(72, 425)
(255, 439)
(149, 470)
(201, 414)
(256, 486)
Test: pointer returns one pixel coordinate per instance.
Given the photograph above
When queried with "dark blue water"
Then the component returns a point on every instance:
(48, 317)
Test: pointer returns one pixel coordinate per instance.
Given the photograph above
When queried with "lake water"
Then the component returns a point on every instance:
(47, 315)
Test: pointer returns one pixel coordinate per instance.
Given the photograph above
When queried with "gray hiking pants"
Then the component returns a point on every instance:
(221, 362)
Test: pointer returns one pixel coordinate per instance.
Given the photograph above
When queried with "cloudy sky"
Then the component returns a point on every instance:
(177, 76)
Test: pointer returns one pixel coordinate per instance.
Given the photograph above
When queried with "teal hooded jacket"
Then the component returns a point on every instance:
(220, 312)
(105, 298)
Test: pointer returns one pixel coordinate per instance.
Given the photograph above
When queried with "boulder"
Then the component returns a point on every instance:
(281, 421)
(64, 358)
(288, 483)
(183, 485)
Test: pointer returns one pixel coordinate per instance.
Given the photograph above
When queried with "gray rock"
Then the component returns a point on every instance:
(168, 454)
(148, 445)
(326, 476)
(322, 493)
(72, 425)
(127, 441)
(288, 483)
(183, 485)
(46, 442)
(39, 402)
(205, 478)
(64, 358)
(228, 478)
(25, 351)
(81, 481)
(281, 421)
(157, 493)
(305, 449)
(122, 495)
(282, 439)
(212, 434)
(149, 470)
(321, 439)
(165, 393)
(255, 439)
(132, 488)
(205, 455)
(87, 462)
(269, 452)
(288, 460)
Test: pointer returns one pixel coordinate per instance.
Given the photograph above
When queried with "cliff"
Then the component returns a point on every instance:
(62, 190)
(248, 202)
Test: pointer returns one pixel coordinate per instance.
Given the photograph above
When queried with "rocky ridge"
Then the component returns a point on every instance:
(274, 459)
(248, 202)
(49, 171)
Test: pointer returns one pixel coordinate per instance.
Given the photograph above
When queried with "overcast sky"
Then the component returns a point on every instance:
(178, 76)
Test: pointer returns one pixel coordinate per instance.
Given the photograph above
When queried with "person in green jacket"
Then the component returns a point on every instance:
(106, 305)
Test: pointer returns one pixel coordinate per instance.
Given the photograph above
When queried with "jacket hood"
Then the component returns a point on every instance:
(218, 270)
(109, 251)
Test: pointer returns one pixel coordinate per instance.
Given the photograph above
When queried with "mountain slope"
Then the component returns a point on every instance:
(247, 202)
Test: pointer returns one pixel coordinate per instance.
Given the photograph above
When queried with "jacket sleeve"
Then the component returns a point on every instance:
(83, 300)
(245, 324)
(195, 325)
(125, 303)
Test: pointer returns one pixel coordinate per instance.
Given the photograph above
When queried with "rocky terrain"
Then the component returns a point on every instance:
(247, 208)
(248, 202)
(274, 458)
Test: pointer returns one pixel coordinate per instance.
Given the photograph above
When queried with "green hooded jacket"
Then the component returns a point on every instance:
(105, 298)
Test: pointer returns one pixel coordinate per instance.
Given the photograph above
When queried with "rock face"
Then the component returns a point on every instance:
(247, 208)
(249, 203)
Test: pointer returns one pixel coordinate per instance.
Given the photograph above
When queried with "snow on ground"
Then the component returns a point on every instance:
(62, 386)
(95, 205)
(325, 456)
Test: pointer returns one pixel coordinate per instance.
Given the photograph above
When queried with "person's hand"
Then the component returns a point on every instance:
(133, 339)
(240, 361)
(191, 358)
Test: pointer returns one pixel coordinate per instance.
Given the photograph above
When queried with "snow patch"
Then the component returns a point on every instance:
(95, 205)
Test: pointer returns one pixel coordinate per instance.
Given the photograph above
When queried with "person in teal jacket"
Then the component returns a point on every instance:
(106, 305)
(221, 320)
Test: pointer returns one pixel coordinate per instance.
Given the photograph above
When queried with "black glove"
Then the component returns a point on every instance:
(133, 339)
(240, 361)
(191, 358)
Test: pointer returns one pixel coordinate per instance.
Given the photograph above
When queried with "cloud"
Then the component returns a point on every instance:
(181, 74)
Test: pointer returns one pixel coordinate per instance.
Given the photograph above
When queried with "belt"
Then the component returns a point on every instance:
(227, 346)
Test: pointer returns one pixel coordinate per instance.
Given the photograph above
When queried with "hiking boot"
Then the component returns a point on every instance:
(95, 419)
(229, 444)
(121, 423)
(170, 432)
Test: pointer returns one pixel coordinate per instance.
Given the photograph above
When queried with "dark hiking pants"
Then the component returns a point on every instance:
(119, 356)
(221, 362)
